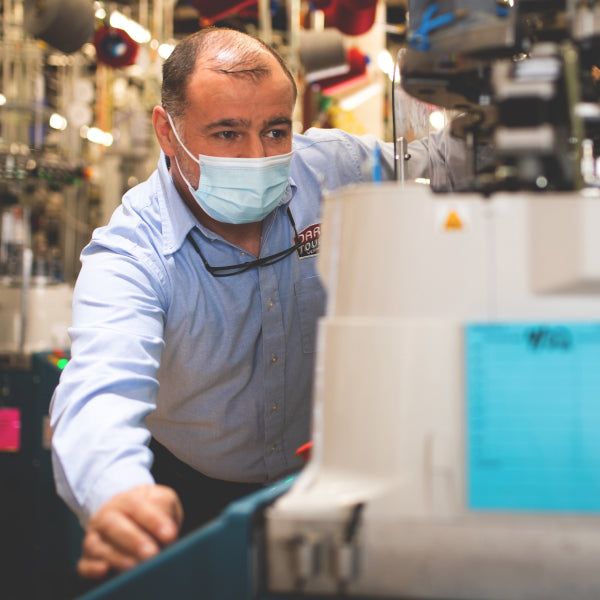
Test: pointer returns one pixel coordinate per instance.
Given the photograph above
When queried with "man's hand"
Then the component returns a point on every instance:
(130, 528)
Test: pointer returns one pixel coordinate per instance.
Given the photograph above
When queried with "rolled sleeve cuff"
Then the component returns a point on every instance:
(120, 479)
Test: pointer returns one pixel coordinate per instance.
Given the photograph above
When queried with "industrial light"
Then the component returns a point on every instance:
(386, 63)
(58, 122)
(97, 136)
(437, 120)
(137, 33)
(164, 50)
(2, 99)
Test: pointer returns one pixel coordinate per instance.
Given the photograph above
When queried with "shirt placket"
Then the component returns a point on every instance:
(274, 372)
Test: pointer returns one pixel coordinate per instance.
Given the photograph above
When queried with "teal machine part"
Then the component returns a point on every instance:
(40, 537)
(223, 560)
(17, 483)
(219, 561)
(57, 532)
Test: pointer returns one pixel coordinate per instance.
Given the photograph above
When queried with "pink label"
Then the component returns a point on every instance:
(10, 429)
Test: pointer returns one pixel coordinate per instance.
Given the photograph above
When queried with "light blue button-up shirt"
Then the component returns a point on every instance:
(218, 370)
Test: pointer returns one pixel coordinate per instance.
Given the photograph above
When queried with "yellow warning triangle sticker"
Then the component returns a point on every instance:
(453, 221)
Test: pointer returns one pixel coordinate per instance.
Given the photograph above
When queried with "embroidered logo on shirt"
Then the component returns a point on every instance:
(310, 241)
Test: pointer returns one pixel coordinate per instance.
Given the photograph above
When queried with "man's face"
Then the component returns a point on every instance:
(237, 116)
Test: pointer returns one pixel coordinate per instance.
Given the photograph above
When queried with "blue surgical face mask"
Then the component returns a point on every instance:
(238, 190)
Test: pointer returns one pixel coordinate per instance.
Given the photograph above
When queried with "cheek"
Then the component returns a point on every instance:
(277, 147)
(189, 169)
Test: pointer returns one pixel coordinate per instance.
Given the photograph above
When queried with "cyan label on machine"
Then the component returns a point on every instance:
(533, 417)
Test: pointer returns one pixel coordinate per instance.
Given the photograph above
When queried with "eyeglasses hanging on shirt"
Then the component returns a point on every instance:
(265, 261)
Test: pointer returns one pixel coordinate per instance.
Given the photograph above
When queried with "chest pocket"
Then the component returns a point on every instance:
(310, 302)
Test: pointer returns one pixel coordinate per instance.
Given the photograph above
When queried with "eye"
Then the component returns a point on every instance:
(277, 134)
(226, 135)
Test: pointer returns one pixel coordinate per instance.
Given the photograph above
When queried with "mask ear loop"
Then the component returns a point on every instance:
(190, 186)
(194, 158)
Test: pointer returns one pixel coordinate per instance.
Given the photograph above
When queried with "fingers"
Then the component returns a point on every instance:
(130, 528)
(92, 568)
(99, 557)
(117, 535)
(160, 513)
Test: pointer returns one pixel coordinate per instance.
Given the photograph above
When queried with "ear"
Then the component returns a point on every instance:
(163, 130)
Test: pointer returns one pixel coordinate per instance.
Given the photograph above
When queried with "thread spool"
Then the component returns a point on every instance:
(356, 74)
(115, 47)
(63, 24)
(322, 54)
(352, 17)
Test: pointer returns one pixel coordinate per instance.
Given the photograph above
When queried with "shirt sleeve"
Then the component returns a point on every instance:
(99, 440)
(441, 158)
(446, 161)
(353, 156)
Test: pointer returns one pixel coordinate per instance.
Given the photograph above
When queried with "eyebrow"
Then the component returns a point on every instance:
(245, 124)
(279, 121)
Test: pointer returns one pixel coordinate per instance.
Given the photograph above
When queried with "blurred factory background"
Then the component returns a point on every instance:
(80, 78)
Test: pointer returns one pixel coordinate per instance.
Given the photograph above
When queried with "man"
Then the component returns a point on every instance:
(195, 310)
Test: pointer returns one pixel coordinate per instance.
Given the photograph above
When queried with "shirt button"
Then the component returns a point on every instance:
(272, 449)
(271, 304)
(273, 358)
(274, 407)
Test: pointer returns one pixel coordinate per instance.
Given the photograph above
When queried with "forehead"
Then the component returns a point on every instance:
(213, 93)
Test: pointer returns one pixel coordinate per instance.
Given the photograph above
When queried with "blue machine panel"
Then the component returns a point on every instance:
(533, 417)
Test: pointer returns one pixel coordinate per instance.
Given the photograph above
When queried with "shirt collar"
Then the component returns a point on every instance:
(177, 218)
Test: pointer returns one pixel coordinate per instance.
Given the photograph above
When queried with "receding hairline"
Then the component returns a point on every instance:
(232, 52)
(227, 48)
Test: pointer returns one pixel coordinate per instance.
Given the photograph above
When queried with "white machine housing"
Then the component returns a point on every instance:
(383, 508)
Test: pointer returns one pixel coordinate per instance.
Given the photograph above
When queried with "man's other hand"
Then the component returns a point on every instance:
(130, 528)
